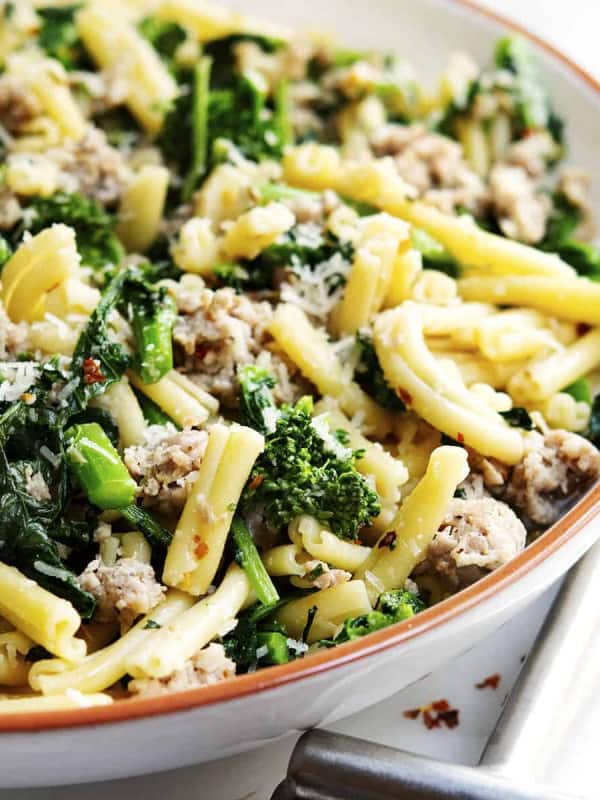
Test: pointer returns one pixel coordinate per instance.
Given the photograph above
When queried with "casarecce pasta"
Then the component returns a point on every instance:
(290, 350)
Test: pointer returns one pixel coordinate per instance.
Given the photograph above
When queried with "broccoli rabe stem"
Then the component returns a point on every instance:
(249, 559)
(199, 126)
(156, 535)
(277, 647)
(283, 118)
(153, 334)
(270, 192)
(98, 467)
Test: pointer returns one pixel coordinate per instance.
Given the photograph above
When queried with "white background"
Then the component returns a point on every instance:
(573, 26)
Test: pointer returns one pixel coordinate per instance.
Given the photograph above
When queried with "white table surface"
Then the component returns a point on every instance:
(573, 27)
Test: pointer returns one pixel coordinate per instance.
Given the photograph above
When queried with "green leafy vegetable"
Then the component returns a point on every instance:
(435, 256)
(369, 375)
(157, 536)
(153, 314)
(518, 418)
(164, 36)
(248, 558)
(200, 116)
(97, 242)
(301, 472)
(58, 36)
(580, 391)
(593, 433)
(393, 606)
(559, 238)
(255, 396)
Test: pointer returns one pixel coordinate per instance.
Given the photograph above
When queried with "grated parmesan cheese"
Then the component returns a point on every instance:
(317, 290)
(17, 377)
(331, 442)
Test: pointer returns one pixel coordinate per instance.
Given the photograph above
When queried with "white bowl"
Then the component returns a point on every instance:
(138, 736)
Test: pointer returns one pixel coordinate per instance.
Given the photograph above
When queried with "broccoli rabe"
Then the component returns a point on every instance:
(97, 242)
(164, 36)
(302, 472)
(255, 396)
(435, 256)
(370, 377)
(593, 433)
(392, 606)
(256, 641)
(58, 36)
(580, 391)
(560, 239)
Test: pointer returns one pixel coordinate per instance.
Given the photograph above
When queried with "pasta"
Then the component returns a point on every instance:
(45, 618)
(199, 540)
(291, 348)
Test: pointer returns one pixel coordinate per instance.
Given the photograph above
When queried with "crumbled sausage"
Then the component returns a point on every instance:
(166, 465)
(522, 211)
(555, 470)
(475, 537)
(207, 667)
(224, 332)
(124, 590)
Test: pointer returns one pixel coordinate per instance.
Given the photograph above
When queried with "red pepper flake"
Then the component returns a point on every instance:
(202, 350)
(491, 682)
(91, 371)
(460, 438)
(255, 482)
(405, 396)
(411, 713)
(435, 714)
(200, 547)
(388, 540)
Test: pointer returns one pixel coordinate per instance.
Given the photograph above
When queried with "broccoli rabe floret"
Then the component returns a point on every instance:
(300, 471)
(369, 375)
(393, 606)
(163, 35)
(97, 242)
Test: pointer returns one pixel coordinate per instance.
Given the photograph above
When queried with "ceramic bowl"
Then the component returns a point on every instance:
(139, 736)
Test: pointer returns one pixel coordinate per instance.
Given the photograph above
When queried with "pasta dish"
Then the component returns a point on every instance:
(292, 346)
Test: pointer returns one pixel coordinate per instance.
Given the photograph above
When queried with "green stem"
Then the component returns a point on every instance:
(199, 125)
(153, 335)
(98, 467)
(156, 535)
(249, 559)
(283, 116)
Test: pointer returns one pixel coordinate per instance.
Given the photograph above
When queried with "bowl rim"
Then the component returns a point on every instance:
(534, 555)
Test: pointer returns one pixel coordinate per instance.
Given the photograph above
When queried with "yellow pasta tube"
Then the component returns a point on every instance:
(309, 349)
(38, 266)
(122, 403)
(142, 206)
(207, 21)
(371, 274)
(56, 702)
(14, 670)
(446, 320)
(577, 299)
(545, 376)
(115, 44)
(197, 247)
(334, 606)
(188, 633)
(104, 667)
(256, 229)
(199, 540)
(406, 268)
(326, 546)
(73, 296)
(389, 472)
(47, 80)
(185, 402)
(444, 403)
(311, 166)
(284, 560)
(476, 248)
(52, 336)
(419, 517)
(513, 335)
(47, 619)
